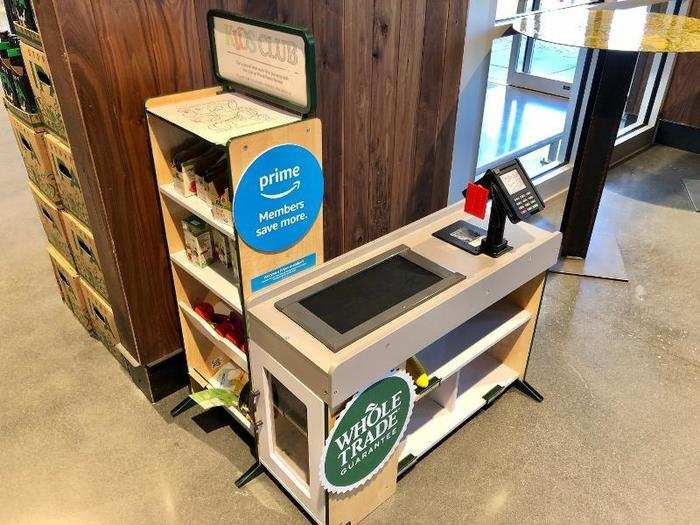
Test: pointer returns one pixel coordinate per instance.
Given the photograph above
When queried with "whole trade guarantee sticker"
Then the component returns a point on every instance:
(367, 433)
(278, 198)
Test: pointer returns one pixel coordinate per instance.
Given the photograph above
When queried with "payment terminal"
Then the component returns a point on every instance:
(512, 196)
(514, 190)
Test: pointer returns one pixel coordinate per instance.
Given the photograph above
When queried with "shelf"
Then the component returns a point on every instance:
(216, 277)
(455, 350)
(195, 205)
(232, 351)
(431, 422)
(237, 414)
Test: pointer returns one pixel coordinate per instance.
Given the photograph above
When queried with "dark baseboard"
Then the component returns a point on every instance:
(678, 136)
(632, 146)
(158, 379)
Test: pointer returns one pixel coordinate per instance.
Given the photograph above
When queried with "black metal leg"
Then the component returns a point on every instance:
(610, 85)
(527, 389)
(249, 475)
(183, 406)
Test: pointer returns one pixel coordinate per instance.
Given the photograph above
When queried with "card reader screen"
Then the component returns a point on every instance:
(513, 182)
(349, 303)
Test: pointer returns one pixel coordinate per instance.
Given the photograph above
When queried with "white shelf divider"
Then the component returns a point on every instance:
(232, 351)
(457, 349)
(237, 414)
(195, 205)
(216, 277)
(431, 422)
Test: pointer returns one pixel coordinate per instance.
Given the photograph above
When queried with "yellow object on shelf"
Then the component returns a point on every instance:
(416, 370)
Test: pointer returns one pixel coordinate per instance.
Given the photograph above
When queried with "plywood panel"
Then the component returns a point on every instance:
(242, 151)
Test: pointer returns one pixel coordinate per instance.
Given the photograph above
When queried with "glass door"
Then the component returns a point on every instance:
(542, 66)
(291, 430)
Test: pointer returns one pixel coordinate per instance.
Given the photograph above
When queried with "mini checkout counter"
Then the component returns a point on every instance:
(336, 422)
(333, 350)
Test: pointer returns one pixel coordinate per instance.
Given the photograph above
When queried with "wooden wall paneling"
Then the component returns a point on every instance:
(90, 73)
(296, 12)
(266, 9)
(201, 8)
(133, 76)
(449, 96)
(421, 180)
(387, 75)
(175, 54)
(682, 103)
(114, 73)
(408, 79)
(357, 46)
(382, 126)
(329, 30)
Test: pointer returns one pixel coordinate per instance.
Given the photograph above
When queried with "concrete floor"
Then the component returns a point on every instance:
(616, 439)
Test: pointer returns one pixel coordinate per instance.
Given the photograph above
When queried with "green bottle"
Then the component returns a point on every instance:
(8, 85)
(25, 14)
(25, 95)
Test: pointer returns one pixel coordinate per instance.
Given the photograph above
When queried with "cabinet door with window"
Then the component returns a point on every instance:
(291, 431)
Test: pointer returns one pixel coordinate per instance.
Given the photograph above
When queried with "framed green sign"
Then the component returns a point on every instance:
(270, 61)
(367, 432)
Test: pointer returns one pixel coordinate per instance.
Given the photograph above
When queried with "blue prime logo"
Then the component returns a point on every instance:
(278, 198)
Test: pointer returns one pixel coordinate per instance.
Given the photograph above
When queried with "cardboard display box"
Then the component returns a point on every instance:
(24, 19)
(42, 84)
(32, 147)
(82, 245)
(66, 177)
(102, 319)
(69, 286)
(50, 216)
(33, 120)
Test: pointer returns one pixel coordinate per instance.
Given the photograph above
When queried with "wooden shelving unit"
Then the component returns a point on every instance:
(226, 288)
(196, 206)
(236, 355)
(239, 416)
(474, 363)
(215, 277)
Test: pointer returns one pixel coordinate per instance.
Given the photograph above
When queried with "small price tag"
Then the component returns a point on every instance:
(476, 199)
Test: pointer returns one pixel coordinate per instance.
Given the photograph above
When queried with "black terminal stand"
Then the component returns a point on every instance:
(513, 197)
(494, 245)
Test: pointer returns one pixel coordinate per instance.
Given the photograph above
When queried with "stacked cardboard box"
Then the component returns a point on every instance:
(54, 180)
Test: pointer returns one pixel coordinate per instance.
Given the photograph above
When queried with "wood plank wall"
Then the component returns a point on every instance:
(388, 80)
(682, 103)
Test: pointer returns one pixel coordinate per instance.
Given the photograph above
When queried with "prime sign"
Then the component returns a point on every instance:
(367, 433)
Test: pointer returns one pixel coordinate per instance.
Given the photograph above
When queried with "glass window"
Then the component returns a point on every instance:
(291, 428)
(643, 87)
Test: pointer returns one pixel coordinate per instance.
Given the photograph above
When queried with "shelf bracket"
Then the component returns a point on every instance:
(249, 475)
(527, 389)
(406, 464)
(492, 394)
(183, 406)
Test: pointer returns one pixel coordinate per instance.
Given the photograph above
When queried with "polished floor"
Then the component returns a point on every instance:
(515, 118)
(616, 439)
